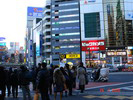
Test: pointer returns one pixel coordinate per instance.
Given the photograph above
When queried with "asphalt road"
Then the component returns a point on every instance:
(123, 89)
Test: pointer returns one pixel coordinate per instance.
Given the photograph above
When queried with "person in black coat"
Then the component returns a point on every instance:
(14, 83)
(24, 82)
(8, 80)
(2, 83)
(42, 82)
(70, 84)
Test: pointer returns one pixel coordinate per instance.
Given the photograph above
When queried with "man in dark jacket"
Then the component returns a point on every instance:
(24, 82)
(2, 83)
(43, 78)
(14, 83)
(70, 83)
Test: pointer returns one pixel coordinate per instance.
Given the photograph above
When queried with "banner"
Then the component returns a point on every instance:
(93, 45)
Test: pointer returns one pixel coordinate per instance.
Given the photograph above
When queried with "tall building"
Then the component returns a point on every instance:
(47, 33)
(32, 13)
(65, 29)
(92, 31)
(118, 18)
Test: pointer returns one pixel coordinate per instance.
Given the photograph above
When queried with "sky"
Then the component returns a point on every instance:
(13, 16)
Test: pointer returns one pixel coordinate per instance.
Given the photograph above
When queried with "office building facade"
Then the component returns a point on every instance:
(65, 29)
(47, 33)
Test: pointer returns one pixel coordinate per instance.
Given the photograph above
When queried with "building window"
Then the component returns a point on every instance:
(56, 5)
(92, 25)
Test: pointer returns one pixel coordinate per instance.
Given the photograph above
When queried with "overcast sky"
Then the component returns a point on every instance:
(13, 15)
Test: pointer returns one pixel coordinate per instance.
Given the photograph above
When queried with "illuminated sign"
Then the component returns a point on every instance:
(12, 44)
(130, 47)
(35, 12)
(2, 38)
(116, 53)
(91, 0)
(68, 56)
(93, 45)
(2, 43)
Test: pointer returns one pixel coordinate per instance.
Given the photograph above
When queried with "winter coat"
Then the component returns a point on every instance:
(24, 78)
(81, 76)
(2, 79)
(58, 77)
(43, 79)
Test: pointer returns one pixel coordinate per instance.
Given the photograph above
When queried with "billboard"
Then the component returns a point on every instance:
(11, 44)
(128, 9)
(2, 43)
(2, 38)
(38, 44)
(93, 45)
(35, 12)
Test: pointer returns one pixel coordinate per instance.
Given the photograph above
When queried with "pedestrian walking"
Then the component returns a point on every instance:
(65, 74)
(51, 70)
(33, 73)
(24, 82)
(8, 80)
(59, 82)
(2, 83)
(14, 83)
(42, 82)
(81, 77)
(74, 73)
(70, 83)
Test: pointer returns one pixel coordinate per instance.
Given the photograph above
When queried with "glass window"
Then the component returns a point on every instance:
(68, 4)
(92, 25)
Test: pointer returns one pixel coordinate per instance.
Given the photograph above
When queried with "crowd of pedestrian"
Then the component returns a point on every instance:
(45, 80)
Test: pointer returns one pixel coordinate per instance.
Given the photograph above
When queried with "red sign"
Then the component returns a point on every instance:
(93, 45)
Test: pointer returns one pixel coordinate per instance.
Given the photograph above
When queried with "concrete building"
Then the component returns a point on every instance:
(47, 33)
(32, 13)
(65, 29)
(106, 25)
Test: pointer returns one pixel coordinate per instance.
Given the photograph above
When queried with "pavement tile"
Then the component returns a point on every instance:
(105, 97)
(120, 97)
(90, 96)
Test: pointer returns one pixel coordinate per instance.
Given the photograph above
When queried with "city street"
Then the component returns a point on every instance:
(119, 87)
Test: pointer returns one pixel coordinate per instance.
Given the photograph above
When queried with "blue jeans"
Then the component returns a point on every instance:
(26, 91)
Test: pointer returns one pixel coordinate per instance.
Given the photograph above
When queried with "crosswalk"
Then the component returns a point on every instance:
(109, 97)
(129, 88)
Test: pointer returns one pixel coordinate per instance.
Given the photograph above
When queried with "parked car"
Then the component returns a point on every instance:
(121, 67)
(113, 69)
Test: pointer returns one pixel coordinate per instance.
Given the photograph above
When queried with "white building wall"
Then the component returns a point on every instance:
(91, 7)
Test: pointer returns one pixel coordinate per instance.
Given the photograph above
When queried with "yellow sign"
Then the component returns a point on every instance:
(72, 56)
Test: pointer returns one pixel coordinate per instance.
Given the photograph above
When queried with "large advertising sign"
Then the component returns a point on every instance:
(128, 9)
(2, 38)
(35, 12)
(12, 44)
(93, 45)
(38, 44)
(2, 43)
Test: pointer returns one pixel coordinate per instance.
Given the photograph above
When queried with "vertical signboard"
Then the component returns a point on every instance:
(38, 44)
(128, 9)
